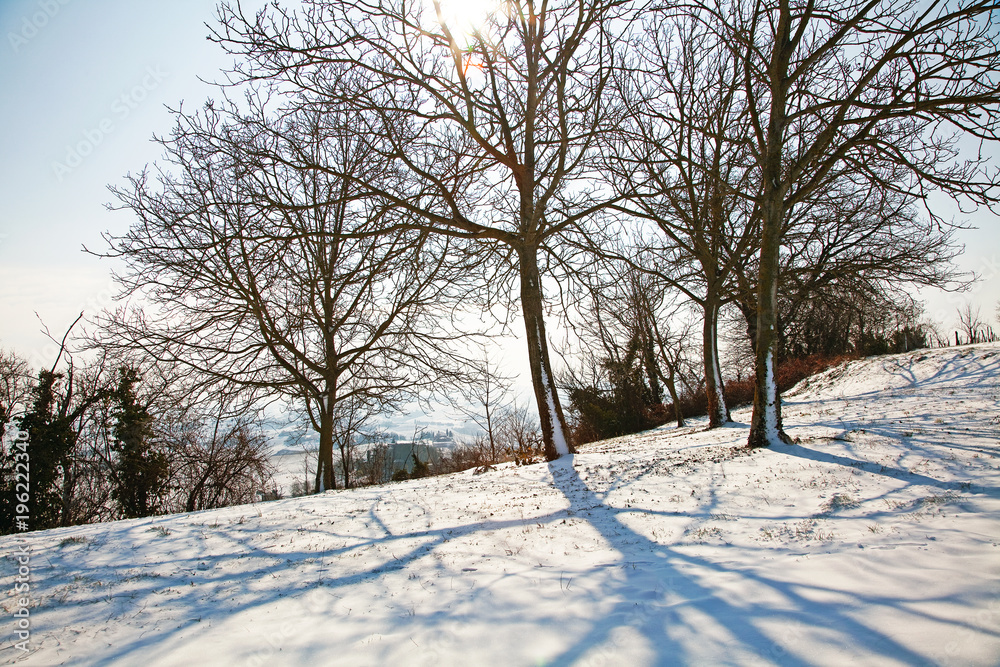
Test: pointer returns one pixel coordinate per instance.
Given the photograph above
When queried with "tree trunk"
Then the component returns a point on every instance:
(649, 362)
(672, 388)
(765, 425)
(489, 432)
(715, 390)
(67, 494)
(550, 414)
(750, 315)
(193, 494)
(324, 460)
(344, 444)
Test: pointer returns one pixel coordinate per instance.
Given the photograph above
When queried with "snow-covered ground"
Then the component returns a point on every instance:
(874, 540)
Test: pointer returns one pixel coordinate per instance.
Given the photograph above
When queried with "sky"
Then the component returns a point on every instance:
(85, 86)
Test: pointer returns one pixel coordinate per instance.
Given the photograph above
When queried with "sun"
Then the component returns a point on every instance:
(464, 17)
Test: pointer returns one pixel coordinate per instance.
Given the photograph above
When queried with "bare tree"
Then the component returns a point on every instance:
(484, 402)
(689, 168)
(681, 162)
(631, 348)
(494, 128)
(350, 418)
(853, 237)
(272, 278)
(972, 324)
(876, 89)
(218, 462)
(676, 361)
(519, 433)
(377, 465)
(14, 387)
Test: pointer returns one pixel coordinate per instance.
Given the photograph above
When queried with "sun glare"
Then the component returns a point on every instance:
(464, 17)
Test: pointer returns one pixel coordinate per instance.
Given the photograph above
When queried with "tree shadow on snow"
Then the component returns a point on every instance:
(662, 601)
(685, 608)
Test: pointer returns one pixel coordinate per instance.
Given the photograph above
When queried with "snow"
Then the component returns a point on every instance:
(558, 437)
(874, 539)
(770, 403)
(712, 349)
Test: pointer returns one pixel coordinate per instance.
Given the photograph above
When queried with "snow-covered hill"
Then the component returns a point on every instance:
(875, 540)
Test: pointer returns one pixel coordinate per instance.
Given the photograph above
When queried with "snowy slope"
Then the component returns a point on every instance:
(875, 540)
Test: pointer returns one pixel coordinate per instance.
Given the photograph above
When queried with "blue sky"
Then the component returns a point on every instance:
(84, 87)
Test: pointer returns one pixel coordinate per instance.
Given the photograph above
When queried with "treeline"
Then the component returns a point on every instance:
(633, 373)
(108, 440)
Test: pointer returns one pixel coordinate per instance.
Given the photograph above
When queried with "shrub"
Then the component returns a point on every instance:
(740, 392)
(622, 408)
